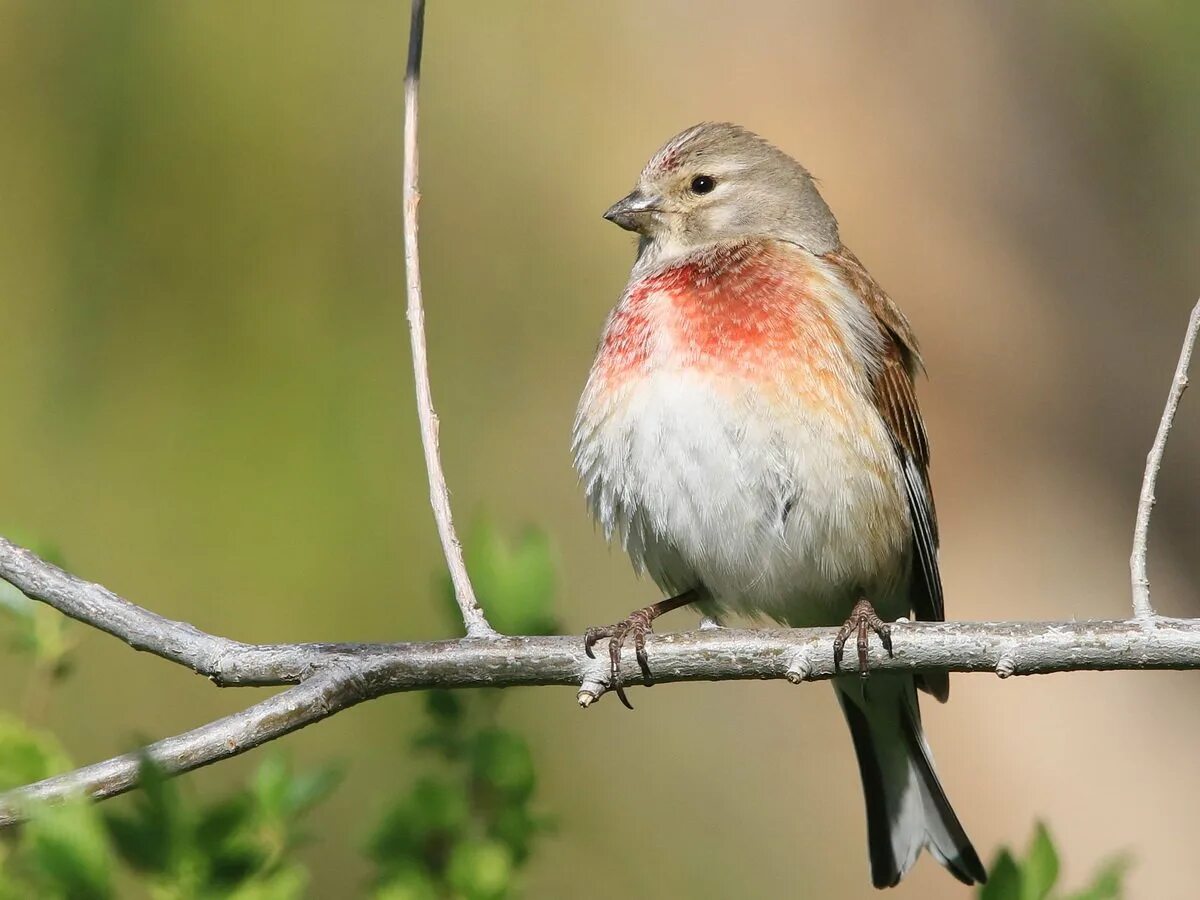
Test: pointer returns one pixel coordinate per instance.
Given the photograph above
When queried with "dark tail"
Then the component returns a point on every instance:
(907, 809)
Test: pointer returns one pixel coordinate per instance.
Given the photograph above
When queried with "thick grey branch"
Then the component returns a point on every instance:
(1142, 607)
(439, 496)
(331, 677)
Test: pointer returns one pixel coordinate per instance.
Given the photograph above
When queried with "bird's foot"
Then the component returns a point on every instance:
(638, 624)
(863, 619)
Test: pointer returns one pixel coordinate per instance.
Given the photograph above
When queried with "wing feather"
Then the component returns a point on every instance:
(896, 400)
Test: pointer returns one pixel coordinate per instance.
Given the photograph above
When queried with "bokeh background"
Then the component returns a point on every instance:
(206, 395)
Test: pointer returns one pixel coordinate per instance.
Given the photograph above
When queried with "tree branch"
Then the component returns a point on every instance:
(1142, 608)
(330, 691)
(439, 496)
(331, 677)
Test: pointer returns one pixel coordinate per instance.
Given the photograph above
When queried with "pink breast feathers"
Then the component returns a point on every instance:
(747, 310)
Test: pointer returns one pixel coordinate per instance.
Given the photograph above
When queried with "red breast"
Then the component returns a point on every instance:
(752, 310)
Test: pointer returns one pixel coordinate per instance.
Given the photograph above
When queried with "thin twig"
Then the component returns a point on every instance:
(1142, 609)
(326, 693)
(439, 497)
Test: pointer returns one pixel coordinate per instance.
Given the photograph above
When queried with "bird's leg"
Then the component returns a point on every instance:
(638, 624)
(862, 618)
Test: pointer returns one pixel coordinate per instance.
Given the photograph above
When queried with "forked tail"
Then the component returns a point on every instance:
(906, 806)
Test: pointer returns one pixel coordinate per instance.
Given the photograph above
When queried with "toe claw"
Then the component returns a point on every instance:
(614, 655)
(862, 621)
(639, 624)
(592, 635)
(639, 643)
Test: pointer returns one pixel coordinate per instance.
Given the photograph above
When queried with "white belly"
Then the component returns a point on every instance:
(770, 509)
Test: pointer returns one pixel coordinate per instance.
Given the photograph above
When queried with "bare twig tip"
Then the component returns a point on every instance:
(1006, 666)
(799, 670)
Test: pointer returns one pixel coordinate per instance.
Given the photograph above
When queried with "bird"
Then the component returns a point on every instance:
(749, 432)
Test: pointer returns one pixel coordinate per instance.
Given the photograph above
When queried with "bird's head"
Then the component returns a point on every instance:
(717, 182)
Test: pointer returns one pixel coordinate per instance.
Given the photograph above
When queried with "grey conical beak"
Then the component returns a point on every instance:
(634, 211)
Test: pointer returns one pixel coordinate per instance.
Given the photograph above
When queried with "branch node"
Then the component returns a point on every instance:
(590, 691)
(800, 668)
(1007, 665)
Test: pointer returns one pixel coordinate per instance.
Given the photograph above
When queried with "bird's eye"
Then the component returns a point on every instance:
(703, 184)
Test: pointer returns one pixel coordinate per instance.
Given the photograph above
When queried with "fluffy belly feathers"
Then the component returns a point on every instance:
(755, 470)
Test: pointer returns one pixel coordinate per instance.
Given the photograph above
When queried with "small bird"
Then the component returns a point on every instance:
(750, 433)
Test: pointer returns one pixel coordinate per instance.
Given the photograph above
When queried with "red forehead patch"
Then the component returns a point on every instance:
(668, 160)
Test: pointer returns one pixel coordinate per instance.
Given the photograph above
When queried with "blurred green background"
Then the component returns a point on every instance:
(206, 392)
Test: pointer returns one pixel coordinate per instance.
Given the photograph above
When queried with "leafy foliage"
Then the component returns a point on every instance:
(27, 754)
(1035, 877)
(35, 629)
(238, 847)
(514, 581)
(464, 829)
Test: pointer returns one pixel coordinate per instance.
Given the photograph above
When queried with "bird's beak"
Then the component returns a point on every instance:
(634, 211)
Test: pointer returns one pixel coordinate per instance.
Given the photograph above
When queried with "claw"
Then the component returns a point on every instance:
(638, 623)
(594, 634)
(862, 621)
(614, 655)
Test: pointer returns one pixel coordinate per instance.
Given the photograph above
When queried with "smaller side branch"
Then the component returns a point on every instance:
(326, 693)
(439, 497)
(1142, 607)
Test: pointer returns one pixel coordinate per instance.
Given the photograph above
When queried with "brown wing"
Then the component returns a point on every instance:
(897, 403)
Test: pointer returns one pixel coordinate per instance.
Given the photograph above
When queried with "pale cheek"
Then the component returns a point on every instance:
(718, 217)
(668, 243)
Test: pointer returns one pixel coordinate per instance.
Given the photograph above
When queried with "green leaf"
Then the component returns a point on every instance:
(224, 837)
(516, 827)
(440, 806)
(396, 840)
(422, 826)
(68, 847)
(445, 707)
(515, 584)
(33, 627)
(27, 755)
(287, 883)
(13, 604)
(502, 760)
(480, 870)
(271, 785)
(409, 882)
(222, 820)
(1040, 871)
(132, 844)
(307, 789)
(1004, 879)
(1109, 883)
(157, 835)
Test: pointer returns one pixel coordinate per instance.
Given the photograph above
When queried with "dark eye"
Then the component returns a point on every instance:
(702, 184)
